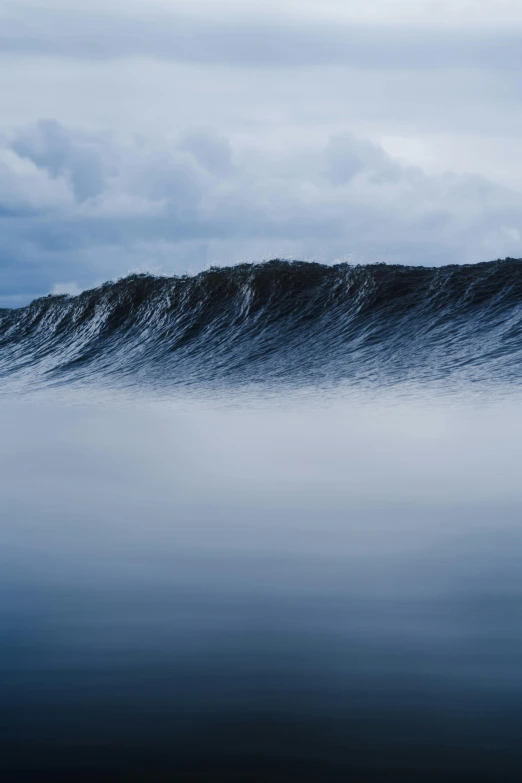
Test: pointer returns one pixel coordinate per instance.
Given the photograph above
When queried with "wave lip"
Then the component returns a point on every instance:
(276, 322)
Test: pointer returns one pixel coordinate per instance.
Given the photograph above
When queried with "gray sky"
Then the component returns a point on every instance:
(170, 135)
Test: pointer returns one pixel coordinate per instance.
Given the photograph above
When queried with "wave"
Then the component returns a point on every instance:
(276, 322)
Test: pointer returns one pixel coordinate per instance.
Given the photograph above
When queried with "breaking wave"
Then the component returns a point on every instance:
(276, 322)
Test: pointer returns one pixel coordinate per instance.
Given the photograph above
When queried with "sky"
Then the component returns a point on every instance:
(167, 136)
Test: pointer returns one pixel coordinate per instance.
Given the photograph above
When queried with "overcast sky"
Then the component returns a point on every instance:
(167, 135)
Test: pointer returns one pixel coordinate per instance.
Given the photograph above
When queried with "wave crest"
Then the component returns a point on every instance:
(279, 321)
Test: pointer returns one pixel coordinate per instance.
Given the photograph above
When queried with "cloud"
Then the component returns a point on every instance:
(347, 156)
(188, 132)
(50, 148)
(86, 206)
(428, 80)
(254, 40)
(210, 151)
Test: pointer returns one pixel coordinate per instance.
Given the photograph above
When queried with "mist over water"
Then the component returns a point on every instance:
(271, 543)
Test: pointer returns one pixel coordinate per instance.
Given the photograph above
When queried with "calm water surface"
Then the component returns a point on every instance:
(289, 589)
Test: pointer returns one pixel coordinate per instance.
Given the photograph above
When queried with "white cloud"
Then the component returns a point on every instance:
(114, 181)
(26, 188)
(446, 13)
(199, 200)
(257, 39)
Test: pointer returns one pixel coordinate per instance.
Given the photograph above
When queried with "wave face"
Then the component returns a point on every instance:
(280, 321)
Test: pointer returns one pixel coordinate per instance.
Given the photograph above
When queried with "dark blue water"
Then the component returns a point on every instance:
(288, 568)
(276, 324)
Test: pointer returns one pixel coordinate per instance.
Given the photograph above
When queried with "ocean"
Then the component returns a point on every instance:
(264, 523)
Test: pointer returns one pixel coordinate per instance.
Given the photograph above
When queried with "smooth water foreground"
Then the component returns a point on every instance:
(287, 589)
